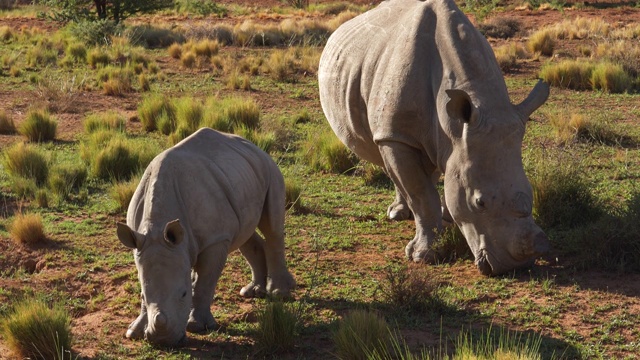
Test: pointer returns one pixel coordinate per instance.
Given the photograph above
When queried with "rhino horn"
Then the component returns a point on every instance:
(173, 232)
(536, 98)
(128, 237)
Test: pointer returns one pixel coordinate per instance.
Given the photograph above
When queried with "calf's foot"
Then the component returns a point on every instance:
(399, 211)
(254, 290)
(419, 250)
(281, 285)
(137, 327)
(201, 323)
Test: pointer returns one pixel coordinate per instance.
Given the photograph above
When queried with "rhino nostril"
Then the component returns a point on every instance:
(483, 264)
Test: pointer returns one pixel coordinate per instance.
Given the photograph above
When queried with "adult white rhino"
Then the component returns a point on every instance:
(196, 202)
(412, 86)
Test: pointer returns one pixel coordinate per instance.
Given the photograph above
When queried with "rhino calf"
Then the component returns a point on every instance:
(197, 202)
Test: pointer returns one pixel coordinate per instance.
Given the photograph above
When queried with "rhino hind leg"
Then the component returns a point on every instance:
(253, 252)
(415, 183)
(208, 268)
(399, 210)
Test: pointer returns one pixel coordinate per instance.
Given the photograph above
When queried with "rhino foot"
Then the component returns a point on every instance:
(399, 211)
(137, 327)
(281, 286)
(253, 290)
(205, 324)
(419, 252)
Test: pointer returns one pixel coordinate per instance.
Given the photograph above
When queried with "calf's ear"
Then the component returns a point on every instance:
(128, 237)
(460, 106)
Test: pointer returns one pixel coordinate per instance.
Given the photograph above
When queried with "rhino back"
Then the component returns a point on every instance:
(214, 183)
(383, 74)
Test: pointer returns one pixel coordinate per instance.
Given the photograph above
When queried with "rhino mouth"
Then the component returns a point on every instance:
(482, 262)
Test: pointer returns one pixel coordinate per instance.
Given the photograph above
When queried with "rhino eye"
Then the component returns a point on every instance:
(480, 203)
(184, 294)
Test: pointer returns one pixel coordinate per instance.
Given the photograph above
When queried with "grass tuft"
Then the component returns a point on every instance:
(109, 120)
(122, 192)
(7, 126)
(360, 334)
(326, 152)
(34, 330)
(38, 126)
(278, 325)
(23, 160)
(27, 229)
(542, 42)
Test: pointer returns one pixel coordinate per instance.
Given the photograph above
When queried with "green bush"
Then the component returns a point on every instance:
(152, 109)
(325, 151)
(242, 112)
(34, 330)
(110, 120)
(7, 126)
(122, 192)
(189, 113)
(67, 177)
(611, 78)
(38, 126)
(360, 334)
(99, 32)
(22, 160)
(278, 325)
(571, 74)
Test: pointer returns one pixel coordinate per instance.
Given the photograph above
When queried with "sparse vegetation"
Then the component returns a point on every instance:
(278, 326)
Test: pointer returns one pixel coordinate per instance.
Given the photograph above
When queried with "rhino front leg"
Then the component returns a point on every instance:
(413, 176)
(137, 327)
(253, 252)
(208, 268)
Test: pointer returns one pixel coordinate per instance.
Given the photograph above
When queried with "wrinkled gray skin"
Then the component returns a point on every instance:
(196, 202)
(413, 87)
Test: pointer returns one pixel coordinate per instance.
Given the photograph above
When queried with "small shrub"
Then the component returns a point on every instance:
(541, 42)
(98, 57)
(117, 161)
(206, 48)
(507, 55)
(118, 81)
(360, 334)
(263, 140)
(562, 197)
(188, 59)
(110, 120)
(572, 74)
(6, 34)
(27, 229)
(189, 113)
(409, 289)
(175, 51)
(42, 198)
(156, 107)
(152, 37)
(122, 192)
(278, 326)
(281, 65)
(501, 28)
(23, 187)
(41, 56)
(38, 126)
(7, 126)
(566, 131)
(144, 83)
(66, 177)
(242, 112)
(26, 161)
(325, 151)
(96, 32)
(77, 52)
(35, 331)
(610, 78)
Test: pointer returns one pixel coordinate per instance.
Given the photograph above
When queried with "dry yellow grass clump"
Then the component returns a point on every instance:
(27, 229)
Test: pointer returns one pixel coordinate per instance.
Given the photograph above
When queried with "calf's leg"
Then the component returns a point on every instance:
(253, 252)
(208, 268)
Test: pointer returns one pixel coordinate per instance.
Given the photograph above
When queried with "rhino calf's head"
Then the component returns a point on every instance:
(486, 190)
(164, 272)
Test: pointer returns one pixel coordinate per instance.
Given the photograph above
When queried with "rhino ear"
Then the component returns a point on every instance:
(173, 232)
(460, 106)
(536, 98)
(128, 237)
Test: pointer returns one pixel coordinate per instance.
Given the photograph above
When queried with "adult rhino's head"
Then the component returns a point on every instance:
(486, 190)
(164, 272)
